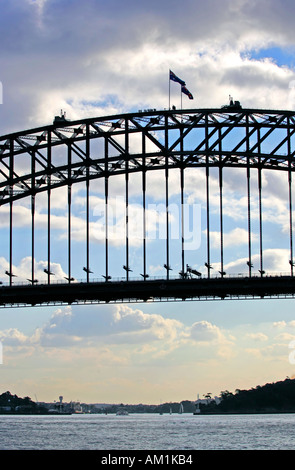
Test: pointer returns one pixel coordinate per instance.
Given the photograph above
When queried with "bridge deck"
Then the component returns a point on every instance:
(161, 289)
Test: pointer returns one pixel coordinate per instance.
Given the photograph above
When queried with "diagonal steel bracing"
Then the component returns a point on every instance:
(65, 153)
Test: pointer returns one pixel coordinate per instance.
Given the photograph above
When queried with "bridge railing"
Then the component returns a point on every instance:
(150, 278)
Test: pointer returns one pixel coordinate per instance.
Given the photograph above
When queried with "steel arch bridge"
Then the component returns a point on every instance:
(65, 155)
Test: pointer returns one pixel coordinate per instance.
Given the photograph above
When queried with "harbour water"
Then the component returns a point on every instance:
(148, 432)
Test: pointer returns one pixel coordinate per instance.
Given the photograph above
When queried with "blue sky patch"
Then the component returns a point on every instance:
(282, 57)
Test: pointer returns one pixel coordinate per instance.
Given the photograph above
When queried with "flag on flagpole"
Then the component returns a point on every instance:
(186, 92)
(174, 78)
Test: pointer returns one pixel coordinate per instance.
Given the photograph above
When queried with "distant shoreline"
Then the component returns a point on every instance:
(219, 413)
(269, 399)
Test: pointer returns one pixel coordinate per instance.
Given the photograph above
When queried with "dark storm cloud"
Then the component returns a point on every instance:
(57, 53)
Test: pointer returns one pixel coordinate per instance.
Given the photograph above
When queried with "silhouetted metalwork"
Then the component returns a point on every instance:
(142, 142)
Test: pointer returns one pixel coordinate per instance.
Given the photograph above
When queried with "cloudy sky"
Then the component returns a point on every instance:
(96, 58)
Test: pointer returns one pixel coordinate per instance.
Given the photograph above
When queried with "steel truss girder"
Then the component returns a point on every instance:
(66, 153)
(215, 127)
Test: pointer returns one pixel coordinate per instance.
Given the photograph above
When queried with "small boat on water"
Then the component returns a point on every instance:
(122, 413)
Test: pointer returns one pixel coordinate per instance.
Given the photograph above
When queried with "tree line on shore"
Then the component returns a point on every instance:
(270, 398)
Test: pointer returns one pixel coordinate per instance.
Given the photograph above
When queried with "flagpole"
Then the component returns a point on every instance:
(169, 90)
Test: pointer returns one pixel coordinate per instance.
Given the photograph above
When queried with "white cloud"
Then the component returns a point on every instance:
(23, 271)
(274, 261)
(107, 324)
(287, 337)
(279, 324)
(235, 237)
(260, 337)
(13, 337)
(204, 331)
(92, 327)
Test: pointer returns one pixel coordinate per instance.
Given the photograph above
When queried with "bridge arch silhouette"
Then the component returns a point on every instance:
(99, 152)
